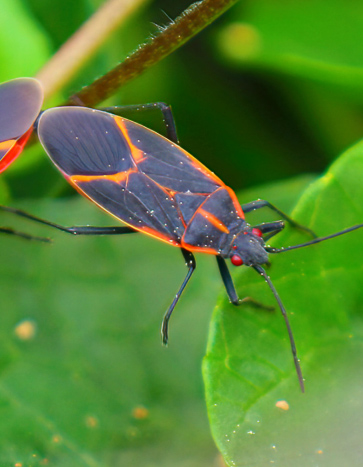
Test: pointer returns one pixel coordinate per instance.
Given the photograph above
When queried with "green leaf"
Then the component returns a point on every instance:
(23, 45)
(248, 367)
(74, 392)
(317, 40)
(24, 48)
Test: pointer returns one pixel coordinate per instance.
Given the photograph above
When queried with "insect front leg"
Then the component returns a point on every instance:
(270, 229)
(190, 262)
(165, 109)
(231, 290)
(254, 205)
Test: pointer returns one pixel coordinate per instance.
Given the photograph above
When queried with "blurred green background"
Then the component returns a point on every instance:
(271, 91)
(276, 89)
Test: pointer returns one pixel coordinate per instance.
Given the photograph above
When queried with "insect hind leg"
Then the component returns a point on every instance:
(10, 231)
(76, 230)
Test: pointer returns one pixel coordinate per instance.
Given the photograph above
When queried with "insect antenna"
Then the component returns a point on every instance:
(312, 242)
(261, 271)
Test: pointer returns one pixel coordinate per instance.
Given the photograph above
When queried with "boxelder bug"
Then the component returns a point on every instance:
(20, 103)
(155, 187)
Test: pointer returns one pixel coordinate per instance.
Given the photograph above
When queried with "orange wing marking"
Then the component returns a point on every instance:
(6, 145)
(140, 156)
(202, 168)
(235, 201)
(213, 220)
(156, 234)
(12, 148)
(117, 178)
(199, 249)
(136, 154)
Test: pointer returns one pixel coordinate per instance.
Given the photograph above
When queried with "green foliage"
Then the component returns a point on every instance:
(23, 45)
(248, 366)
(271, 91)
(309, 66)
(69, 394)
(316, 40)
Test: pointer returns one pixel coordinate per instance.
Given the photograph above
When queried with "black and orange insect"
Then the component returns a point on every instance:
(153, 186)
(20, 103)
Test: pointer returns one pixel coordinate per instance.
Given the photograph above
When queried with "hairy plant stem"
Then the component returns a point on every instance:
(75, 52)
(195, 18)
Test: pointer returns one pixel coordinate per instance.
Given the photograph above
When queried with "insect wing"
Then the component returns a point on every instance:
(125, 168)
(20, 104)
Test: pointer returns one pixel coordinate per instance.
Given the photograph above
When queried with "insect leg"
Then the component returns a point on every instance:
(78, 230)
(8, 230)
(253, 205)
(165, 109)
(270, 228)
(190, 262)
(231, 290)
(227, 280)
(262, 272)
(92, 230)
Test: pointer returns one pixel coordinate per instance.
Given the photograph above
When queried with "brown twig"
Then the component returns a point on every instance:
(187, 25)
(77, 50)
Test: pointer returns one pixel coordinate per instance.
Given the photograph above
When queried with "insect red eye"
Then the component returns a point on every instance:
(257, 232)
(236, 260)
